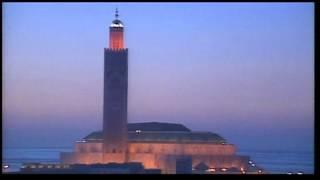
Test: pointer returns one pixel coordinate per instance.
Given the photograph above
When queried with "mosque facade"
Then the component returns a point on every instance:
(156, 145)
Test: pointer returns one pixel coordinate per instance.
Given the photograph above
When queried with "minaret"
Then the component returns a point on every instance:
(115, 92)
(116, 34)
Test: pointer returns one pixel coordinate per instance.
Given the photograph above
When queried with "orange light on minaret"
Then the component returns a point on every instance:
(116, 34)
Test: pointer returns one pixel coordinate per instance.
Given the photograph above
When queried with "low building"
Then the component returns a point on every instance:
(110, 168)
(159, 146)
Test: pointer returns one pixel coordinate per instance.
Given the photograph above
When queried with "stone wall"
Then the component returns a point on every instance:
(88, 147)
(91, 158)
(182, 148)
(165, 162)
(221, 161)
(160, 155)
(80, 158)
(166, 148)
(147, 159)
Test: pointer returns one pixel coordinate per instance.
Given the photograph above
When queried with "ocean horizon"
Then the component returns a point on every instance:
(272, 161)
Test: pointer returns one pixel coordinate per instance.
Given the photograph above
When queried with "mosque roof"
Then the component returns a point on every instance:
(163, 132)
(157, 126)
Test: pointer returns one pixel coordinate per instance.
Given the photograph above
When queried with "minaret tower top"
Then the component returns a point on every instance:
(117, 15)
(116, 41)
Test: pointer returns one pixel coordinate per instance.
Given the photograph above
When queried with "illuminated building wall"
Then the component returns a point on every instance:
(160, 155)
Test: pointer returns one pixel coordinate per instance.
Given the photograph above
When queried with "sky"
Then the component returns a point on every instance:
(242, 70)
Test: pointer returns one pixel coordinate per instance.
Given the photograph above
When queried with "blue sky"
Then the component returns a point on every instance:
(243, 70)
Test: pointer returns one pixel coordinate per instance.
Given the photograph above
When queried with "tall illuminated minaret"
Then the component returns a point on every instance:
(115, 91)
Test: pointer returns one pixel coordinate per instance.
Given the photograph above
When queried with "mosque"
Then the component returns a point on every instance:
(157, 145)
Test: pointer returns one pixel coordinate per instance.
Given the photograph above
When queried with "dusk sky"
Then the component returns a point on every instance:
(242, 70)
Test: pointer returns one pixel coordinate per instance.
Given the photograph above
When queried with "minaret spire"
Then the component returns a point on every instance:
(117, 15)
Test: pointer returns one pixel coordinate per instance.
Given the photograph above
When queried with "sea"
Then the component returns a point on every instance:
(273, 162)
